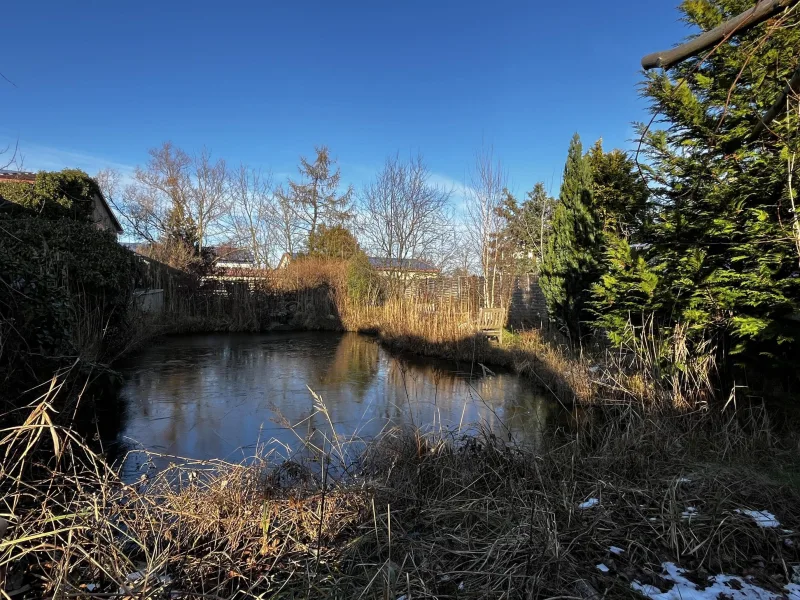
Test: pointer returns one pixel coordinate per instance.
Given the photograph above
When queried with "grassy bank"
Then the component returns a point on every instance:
(412, 514)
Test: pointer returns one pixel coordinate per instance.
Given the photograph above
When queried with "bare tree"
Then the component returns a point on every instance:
(404, 215)
(157, 203)
(110, 183)
(316, 199)
(485, 196)
(254, 214)
(13, 159)
(287, 221)
(457, 256)
(209, 200)
(176, 194)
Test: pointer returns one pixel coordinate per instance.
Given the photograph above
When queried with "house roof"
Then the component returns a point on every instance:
(9, 175)
(401, 264)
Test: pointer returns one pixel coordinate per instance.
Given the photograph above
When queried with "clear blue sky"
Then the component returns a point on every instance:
(98, 83)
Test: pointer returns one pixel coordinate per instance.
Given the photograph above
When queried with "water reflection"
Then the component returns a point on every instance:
(218, 396)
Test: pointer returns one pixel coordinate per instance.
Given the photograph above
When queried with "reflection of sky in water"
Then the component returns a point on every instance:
(219, 396)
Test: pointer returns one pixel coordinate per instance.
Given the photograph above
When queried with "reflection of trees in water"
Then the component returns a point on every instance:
(206, 396)
(505, 404)
(355, 362)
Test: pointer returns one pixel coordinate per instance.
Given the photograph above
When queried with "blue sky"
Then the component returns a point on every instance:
(98, 83)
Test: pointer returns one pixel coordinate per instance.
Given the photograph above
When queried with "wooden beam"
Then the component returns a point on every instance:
(793, 87)
(739, 24)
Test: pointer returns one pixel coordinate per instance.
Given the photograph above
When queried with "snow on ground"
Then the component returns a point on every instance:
(602, 568)
(719, 586)
(616, 550)
(588, 504)
(761, 517)
(690, 512)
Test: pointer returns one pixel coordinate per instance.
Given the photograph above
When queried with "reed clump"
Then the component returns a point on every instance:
(414, 513)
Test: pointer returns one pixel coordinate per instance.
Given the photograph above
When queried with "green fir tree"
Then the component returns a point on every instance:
(570, 265)
(724, 242)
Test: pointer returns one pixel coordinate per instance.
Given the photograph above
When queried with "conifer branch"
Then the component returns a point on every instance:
(793, 87)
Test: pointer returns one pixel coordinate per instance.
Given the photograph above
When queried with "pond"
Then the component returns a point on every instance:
(223, 396)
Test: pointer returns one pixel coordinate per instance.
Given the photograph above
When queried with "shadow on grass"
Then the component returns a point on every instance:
(547, 367)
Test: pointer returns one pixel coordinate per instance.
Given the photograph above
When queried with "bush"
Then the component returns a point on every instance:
(332, 242)
(65, 291)
(55, 195)
(364, 285)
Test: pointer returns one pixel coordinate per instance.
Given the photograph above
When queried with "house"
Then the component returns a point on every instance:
(403, 268)
(228, 257)
(287, 258)
(102, 215)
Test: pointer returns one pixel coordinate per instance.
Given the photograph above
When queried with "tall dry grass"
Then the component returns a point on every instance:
(649, 370)
(420, 514)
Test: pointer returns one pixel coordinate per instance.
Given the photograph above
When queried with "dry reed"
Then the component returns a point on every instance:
(414, 514)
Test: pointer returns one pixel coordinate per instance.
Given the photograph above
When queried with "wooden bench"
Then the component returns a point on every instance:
(491, 322)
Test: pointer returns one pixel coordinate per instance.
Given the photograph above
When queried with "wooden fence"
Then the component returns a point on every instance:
(520, 294)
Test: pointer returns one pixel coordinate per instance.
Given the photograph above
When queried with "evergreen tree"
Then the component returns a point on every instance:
(60, 194)
(316, 198)
(627, 284)
(570, 265)
(619, 193)
(723, 242)
(332, 242)
(624, 296)
(527, 226)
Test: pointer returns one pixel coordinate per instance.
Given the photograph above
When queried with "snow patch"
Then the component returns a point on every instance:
(591, 502)
(616, 550)
(690, 512)
(761, 517)
(602, 568)
(719, 586)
